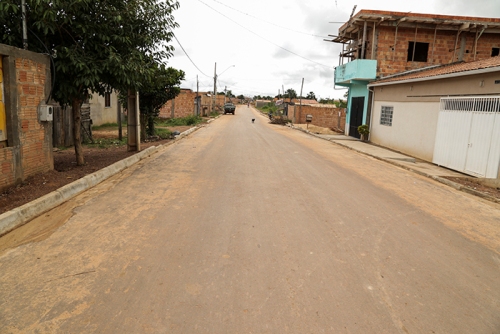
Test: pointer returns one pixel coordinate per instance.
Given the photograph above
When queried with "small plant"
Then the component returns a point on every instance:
(364, 131)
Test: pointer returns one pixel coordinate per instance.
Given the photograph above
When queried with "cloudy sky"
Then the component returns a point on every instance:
(276, 43)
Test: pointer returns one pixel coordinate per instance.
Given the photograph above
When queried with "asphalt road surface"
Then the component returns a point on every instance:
(256, 228)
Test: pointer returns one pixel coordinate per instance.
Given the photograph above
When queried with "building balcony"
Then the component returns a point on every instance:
(356, 70)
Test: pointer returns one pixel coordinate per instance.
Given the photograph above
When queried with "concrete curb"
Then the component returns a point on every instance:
(439, 179)
(19, 216)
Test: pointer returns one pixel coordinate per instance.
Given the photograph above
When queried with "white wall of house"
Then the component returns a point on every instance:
(100, 113)
(413, 129)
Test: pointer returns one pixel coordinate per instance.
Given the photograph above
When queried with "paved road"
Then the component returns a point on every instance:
(257, 228)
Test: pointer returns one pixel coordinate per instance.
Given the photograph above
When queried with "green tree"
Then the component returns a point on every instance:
(100, 45)
(311, 96)
(291, 94)
(155, 93)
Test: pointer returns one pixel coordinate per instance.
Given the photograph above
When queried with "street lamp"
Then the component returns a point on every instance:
(215, 83)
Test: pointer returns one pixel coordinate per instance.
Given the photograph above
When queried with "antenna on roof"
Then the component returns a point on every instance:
(350, 17)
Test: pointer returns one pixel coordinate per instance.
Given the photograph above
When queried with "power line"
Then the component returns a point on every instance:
(312, 61)
(188, 56)
(268, 22)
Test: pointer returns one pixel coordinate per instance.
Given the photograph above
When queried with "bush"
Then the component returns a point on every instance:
(363, 130)
(269, 108)
(163, 133)
(181, 121)
(281, 120)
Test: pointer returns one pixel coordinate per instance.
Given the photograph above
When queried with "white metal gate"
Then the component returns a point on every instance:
(468, 135)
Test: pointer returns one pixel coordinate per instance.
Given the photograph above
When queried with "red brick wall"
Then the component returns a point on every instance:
(183, 105)
(29, 148)
(390, 62)
(323, 116)
(31, 87)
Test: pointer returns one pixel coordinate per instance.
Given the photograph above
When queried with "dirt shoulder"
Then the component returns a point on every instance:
(66, 171)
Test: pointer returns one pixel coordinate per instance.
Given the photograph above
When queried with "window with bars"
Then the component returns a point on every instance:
(386, 115)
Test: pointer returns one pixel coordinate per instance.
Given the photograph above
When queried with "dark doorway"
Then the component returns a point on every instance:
(356, 118)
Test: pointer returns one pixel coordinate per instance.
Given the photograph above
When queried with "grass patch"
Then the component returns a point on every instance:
(109, 126)
(163, 133)
(107, 142)
(269, 108)
(180, 121)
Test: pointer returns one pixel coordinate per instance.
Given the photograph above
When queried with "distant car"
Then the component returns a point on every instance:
(229, 108)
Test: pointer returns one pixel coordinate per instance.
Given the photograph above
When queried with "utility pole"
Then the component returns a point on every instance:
(225, 92)
(300, 106)
(25, 28)
(197, 97)
(119, 117)
(215, 89)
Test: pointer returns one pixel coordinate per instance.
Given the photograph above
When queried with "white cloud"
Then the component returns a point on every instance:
(247, 35)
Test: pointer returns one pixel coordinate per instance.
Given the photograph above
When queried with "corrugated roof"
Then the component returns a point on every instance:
(460, 67)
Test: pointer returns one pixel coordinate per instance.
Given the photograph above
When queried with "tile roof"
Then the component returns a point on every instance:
(435, 72)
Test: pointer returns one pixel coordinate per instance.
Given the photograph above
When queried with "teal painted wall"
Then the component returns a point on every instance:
(359, 69)
(358, 89)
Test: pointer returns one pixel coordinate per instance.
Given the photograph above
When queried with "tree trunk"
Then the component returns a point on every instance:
(143, 118)
(77, 126)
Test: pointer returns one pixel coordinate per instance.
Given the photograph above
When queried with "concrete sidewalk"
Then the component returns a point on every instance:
(420, 167)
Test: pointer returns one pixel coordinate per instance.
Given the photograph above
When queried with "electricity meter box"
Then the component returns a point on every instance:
(46, 113)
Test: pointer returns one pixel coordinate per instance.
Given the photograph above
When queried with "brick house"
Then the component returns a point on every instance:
(377, 44)
(25, 140)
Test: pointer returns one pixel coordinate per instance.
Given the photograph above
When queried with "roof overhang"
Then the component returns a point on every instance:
(438, 77)
(349, 30)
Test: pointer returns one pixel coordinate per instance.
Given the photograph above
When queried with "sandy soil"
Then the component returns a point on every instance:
(66, 171)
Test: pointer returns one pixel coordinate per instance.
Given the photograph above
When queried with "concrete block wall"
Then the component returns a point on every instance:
(101, 114)
(28, 149)
(441, 51)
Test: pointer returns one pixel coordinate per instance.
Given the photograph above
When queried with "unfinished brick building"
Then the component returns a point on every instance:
(377, 44)
(185, 104)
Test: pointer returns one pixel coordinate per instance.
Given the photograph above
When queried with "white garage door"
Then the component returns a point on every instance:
(468, 135)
